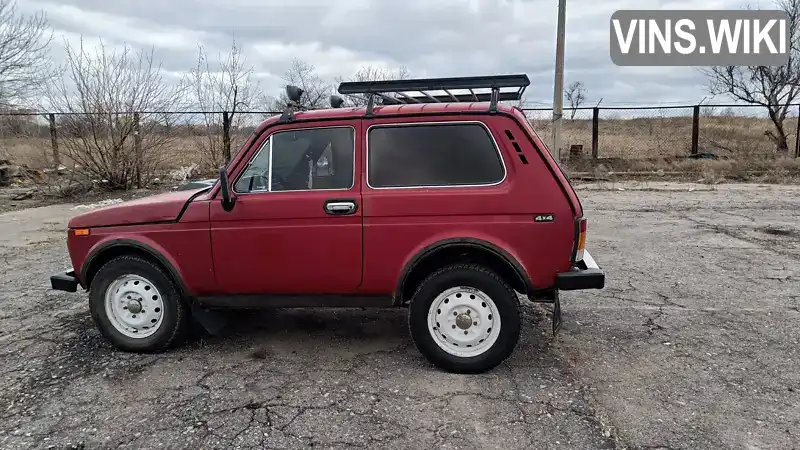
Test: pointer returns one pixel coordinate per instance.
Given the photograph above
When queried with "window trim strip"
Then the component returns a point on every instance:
(271, 140)
(497, 150)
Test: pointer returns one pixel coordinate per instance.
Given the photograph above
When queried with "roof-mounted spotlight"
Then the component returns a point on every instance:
(336, 101)
(294, 93)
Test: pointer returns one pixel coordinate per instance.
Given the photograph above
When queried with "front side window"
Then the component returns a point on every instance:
(297, 160)
(435, 155)
(256, 175)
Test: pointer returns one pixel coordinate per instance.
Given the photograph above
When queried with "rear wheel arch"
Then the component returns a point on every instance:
(461, 250)
(112, 249)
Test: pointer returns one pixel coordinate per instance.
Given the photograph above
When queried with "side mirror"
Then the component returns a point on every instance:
(227, 199)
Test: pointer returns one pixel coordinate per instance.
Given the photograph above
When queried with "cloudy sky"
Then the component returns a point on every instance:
(430, 37)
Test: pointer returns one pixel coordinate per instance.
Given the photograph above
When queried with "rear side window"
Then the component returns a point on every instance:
(436, 155)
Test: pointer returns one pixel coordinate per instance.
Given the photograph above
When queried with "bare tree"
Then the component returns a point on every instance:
(370, 73)
(523, 102)
(575, 95)
(24, 62)
(113, 119)
(316, 91)
(775, 88)
(227, 87)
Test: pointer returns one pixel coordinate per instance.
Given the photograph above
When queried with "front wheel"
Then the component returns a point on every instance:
(136, 305)
(464, 318)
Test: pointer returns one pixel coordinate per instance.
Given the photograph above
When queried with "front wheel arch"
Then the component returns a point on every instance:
(110, 250)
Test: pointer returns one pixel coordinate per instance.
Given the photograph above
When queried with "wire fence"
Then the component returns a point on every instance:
(175, 139)
(713, 131)
(41, 140)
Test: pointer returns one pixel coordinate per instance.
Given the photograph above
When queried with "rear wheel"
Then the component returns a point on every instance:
(136, 305)
(464, 318)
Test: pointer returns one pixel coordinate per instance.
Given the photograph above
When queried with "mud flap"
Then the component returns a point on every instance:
(212, 321)
(556, 313)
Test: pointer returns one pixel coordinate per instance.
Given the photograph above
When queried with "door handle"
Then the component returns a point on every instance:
(340, 207)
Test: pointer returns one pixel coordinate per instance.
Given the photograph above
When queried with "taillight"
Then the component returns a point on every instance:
(581, 246)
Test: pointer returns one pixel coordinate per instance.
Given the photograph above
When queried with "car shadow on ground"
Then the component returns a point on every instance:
(354, 328)
(289, 344)
(353, 323)
(314, 374)
(328, 336)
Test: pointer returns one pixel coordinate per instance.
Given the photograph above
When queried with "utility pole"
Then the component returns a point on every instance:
(558, 88)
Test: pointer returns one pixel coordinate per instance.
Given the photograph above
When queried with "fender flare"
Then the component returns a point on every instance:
(464, 242)
(138, 245)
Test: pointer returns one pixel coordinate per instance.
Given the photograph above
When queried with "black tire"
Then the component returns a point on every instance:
(474, 276)
(175, 321)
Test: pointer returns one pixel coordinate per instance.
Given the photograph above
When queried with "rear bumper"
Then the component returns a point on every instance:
(584, 275)
(65, 282)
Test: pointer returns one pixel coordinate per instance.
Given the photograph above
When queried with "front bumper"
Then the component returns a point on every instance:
(65, 282)
(584, 275)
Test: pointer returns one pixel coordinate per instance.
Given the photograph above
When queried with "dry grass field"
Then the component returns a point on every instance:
(36, 152)
(639, 140)
(656, 136)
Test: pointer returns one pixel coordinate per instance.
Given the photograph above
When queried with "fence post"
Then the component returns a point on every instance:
(595, 129)
(695, 128)
(54, 142)
(226, 136)
(137, 149)
(797, 135)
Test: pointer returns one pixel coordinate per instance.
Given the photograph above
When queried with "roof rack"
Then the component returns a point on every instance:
(425, 86)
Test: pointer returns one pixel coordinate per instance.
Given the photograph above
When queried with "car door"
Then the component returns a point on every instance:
(296, 225)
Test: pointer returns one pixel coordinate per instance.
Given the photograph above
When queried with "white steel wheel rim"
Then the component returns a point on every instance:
(134, 306)
(464, 321)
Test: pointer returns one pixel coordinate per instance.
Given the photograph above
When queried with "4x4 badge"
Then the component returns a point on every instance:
(544, 218)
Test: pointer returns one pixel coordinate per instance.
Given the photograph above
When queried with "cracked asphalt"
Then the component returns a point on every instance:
(693, 344)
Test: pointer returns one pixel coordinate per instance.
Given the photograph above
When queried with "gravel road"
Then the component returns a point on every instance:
(693, 344)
